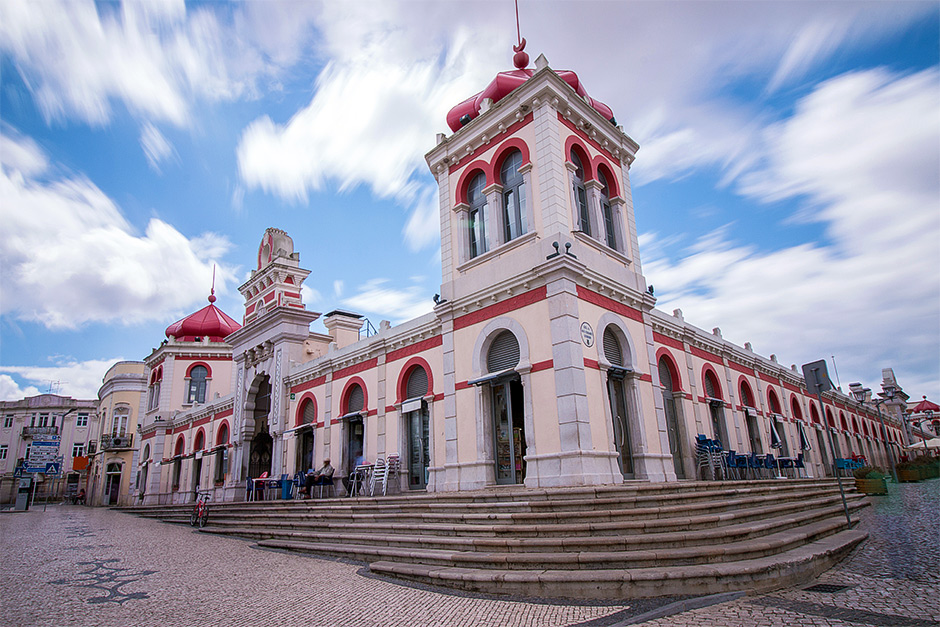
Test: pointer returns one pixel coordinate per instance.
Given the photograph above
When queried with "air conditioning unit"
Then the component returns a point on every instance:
(120, 442)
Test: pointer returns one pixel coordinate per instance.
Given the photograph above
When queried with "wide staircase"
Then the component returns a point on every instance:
(600, 542)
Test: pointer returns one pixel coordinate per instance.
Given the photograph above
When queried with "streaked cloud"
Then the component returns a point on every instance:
(156, 147)
(70, 257)
(70, 377)
(379, 299)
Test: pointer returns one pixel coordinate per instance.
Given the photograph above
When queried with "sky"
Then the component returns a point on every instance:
(787, 187)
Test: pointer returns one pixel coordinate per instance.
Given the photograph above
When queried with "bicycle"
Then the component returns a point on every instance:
(200, 513)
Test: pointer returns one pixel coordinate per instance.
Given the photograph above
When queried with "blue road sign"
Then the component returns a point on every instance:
(52, 468)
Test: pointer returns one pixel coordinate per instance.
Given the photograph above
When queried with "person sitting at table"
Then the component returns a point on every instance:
(308, 481)
(324, 476)
(353, 481)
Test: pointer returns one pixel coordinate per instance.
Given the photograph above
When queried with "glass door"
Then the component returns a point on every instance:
(418, 448)
(618, 413)
(509, 431)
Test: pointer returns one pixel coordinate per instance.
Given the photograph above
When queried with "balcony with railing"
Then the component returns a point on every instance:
(39, 432)
(117, 442)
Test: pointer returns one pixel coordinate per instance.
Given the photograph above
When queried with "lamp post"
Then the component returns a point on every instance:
(862, 396)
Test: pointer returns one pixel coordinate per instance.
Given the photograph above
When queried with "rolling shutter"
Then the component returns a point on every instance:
(356, 399)
(504, 353)
(417, 385)
(612, 348)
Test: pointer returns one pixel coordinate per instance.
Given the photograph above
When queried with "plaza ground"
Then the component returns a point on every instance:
(73, 565)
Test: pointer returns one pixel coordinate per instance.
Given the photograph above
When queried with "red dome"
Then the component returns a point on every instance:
(504, 83)
(210, 321)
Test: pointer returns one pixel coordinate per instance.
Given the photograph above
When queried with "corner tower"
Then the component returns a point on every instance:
(539, 260)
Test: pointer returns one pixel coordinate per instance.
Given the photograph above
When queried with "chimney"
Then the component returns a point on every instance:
(343, 327)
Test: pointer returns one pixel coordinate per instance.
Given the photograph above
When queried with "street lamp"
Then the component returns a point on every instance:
(863, 395)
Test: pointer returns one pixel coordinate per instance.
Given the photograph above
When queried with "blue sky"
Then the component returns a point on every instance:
(787, 187)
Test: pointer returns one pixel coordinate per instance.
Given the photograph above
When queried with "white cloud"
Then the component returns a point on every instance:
(156, 147)
(309, 296)
(377, 298)
(78, 379)
(383, 94)
(69, 256)
(10, 390)
(863, 154)
(156, 58)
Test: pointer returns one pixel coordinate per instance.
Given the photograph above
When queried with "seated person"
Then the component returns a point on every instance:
(307, 480)
(80, 497)
(324, 476)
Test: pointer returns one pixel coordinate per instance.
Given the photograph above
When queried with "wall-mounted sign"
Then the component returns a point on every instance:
(587, 334)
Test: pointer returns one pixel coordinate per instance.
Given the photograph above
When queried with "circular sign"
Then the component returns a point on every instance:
(587, 334)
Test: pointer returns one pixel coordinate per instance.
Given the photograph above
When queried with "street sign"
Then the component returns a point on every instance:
(816, 377)
(53, 468)
(42, 452)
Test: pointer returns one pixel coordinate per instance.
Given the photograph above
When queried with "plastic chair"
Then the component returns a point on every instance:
(391, 473)
(378, 474)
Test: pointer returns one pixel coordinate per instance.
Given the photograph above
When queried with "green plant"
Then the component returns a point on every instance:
(868, 472)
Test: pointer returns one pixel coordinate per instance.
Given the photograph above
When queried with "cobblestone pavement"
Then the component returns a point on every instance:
(892, 579)
(74, 565)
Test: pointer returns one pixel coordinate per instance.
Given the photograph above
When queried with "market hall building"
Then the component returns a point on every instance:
(543, 363)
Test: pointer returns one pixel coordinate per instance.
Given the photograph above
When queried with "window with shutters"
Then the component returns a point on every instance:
(503, 353)
(309, 412)
(417, 385)
(607, 211)
(355, 400)
(612, 350)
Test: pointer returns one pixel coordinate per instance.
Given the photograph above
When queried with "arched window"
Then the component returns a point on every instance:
(712, 388)
(773, 402)
(672, 415)
(356, 399)
(716, 408)
(417, 385)
(197, 385)
(612, 350)
(580, 195)
(795, 409)
(309, 412)
(221, 437)
(606, 211)
(503, 353)
(513, 196)
(746, 398)
(200, 441)
(153, 396)
(477, 215)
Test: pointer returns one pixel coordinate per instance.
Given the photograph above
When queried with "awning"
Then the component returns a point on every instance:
(804, 441)
(774, 437)
(492, 377)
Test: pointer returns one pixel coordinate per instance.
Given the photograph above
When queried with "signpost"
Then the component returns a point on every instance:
(817, 380)
(44, 458)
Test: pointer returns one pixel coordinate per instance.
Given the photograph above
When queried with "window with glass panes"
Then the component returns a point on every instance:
(513, 196)
(580, 195)
(78, 450)
(8, 421)
(607, 211)
(81, 420)
(3, 451)
(476, 216)
(197, 384)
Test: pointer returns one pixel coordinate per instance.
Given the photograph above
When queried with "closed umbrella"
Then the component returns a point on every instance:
(804, 441)
(775, 443)
(933, 444)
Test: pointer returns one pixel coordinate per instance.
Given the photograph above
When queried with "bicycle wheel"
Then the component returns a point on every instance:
(204, 517)
(194, 517)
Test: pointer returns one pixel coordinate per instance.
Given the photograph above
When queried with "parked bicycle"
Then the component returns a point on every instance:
(200, 515)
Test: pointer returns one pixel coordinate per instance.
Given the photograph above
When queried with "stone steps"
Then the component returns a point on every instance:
(762, 574)
(606, 538)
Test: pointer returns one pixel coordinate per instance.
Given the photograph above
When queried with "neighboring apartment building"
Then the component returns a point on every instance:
(45, 417)
(544, 362)
(112, 464)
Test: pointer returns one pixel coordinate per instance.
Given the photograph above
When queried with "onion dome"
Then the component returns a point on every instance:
(209, 322)
(506, 82)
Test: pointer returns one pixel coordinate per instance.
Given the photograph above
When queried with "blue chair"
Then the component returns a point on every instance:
(754, 464)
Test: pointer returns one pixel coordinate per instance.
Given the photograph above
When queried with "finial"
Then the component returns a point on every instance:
(520, 59)
(212, 293)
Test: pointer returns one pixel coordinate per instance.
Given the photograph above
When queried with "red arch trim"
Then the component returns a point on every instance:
(228, 433)
(504, 149)
(773, 403)
(795, 407)
(180, 447)
(199, 431)
(574, 143)
(463, 183)
(705, 370)
(662, 353)
(208, 368)
(601, 163)
(344, 398)
(744, 384)
(299, 416)
(405, 372)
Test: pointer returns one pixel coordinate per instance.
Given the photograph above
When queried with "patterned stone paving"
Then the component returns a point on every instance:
(74, 565)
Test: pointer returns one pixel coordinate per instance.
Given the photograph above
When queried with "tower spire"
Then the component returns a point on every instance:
(212, 293)
(520, 59)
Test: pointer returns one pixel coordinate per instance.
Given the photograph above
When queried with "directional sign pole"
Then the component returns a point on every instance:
(817, 380)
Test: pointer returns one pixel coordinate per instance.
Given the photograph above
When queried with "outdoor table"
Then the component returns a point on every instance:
(360, 478)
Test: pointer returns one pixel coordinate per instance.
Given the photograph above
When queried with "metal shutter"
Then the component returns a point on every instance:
(665, 377)
(356, 399)
(504, 353)
(710, 387)
(417, 385)
(310, 412)
(612, 348)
